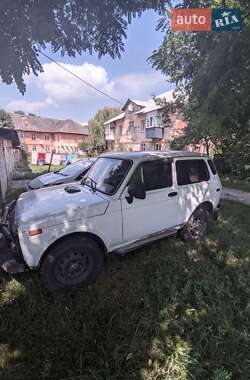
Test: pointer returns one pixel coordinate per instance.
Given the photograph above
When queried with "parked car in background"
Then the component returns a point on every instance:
(125, 201)
(69, 173)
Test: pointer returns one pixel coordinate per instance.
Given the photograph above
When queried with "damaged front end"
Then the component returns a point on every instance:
(11, 259)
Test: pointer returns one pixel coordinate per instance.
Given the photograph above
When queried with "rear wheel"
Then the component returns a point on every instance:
(196, 227)
(72, 263)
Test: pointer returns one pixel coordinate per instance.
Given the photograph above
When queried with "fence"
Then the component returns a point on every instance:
(8, 158)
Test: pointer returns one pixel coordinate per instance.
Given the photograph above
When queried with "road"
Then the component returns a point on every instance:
(236, 195)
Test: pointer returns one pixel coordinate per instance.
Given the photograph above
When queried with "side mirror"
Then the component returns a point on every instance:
(137, 191)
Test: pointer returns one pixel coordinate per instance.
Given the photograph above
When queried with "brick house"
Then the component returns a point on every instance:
(9, 156)
(40, 134)
(139, 126)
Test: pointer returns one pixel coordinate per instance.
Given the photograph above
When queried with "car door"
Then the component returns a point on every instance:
(158, 211)
(194, 187)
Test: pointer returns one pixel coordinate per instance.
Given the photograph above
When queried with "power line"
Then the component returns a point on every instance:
(82, 80)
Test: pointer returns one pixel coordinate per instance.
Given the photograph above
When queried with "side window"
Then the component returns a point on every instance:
(191, 171)
(212, 167)
(155, 175)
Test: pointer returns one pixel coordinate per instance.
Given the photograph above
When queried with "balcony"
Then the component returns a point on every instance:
(154, 133)
(109, 136)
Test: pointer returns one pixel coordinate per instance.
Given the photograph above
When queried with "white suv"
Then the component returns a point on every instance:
(126, 200)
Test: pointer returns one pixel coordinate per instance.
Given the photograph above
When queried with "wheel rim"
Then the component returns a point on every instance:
(73, 267)
(197, 228)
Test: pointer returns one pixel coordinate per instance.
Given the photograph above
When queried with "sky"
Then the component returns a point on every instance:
(57, 94)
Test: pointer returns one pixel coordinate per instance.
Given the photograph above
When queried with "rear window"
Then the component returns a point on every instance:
(191, 171)
(212, 166)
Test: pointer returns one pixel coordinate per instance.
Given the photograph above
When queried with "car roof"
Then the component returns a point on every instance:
(152, 155)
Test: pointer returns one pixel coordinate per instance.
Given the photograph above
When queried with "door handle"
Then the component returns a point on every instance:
(173, 194)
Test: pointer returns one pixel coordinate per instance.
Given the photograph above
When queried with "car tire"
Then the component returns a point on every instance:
(196, 227)
(72, 263)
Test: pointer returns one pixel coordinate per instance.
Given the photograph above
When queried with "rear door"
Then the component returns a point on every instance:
(159, 210)
(194, 186)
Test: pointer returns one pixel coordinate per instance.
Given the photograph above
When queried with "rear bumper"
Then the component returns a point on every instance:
(217, 211)
(11, 259)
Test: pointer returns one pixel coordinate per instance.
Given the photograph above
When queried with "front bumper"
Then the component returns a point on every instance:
(11, 259)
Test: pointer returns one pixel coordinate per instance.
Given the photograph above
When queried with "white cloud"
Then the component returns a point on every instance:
(139, 85)
(27, 106)
(59, 88)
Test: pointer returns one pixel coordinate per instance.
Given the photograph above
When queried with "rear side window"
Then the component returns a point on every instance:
(191, 171)
(212, 166)
(155, 175)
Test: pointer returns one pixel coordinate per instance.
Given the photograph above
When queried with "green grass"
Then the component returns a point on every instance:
(27, 170)
(235, 183)
(13, 194)
(168, 312)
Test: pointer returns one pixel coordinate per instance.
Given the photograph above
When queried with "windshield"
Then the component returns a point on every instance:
(76, 168)
(107, 174)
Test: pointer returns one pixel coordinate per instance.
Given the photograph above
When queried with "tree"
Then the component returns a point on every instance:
(5, 120)
(71, 27)
(211, 71)
(96, 131)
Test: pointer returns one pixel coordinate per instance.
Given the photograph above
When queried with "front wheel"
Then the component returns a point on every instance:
(196, 227)
(71, 263)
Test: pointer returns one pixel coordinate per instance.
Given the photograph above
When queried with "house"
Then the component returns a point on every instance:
(9, 156)
(40, 134)
(139, 126)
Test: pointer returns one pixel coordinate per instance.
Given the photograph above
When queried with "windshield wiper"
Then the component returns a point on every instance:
(92, 183)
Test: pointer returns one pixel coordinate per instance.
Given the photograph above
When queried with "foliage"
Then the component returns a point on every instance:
(5, 120)
(211, 71)
(171, 311)
(96, 130)
(84, 146)
(71, 27)
(166, 109)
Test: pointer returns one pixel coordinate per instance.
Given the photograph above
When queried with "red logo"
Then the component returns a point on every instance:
(191, 20)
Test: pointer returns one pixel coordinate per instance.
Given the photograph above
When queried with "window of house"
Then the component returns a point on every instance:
(151, 121)
(21, 135)
(46, 137)
(33, 148)
(191, 171)
(142, 125)
(130, 107)
(76, 149)
(131, 126)
(157, 146)
(155, 175)
(47, 149)
(143, 146)
(212, 166)
(33, 136)
(58, 137)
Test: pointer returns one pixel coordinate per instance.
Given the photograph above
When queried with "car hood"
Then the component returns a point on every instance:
(47, 179)
(55, 205)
